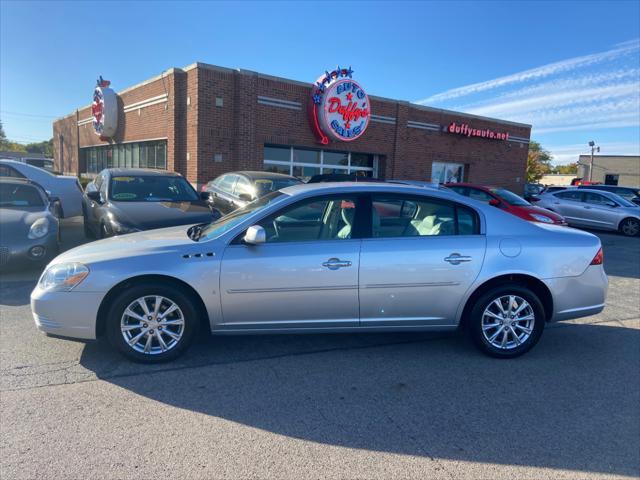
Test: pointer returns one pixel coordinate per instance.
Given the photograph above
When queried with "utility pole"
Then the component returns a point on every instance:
(594, 148)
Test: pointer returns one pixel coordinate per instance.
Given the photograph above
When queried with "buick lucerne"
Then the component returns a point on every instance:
(327, 257)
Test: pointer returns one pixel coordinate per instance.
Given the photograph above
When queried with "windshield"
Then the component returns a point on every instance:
(510, 197)
(17, 196)
(267, 185)
(217, 228)
(152, 188)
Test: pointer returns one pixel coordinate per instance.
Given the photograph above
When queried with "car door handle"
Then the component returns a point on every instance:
(457, 259)
(336, 263)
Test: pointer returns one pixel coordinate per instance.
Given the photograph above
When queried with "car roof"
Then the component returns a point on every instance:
(21, 181)
(486, 188)
(373, 187)
(141, 171)
(258, 175)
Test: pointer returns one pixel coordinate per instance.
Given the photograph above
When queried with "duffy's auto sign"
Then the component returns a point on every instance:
(339, 107)
(104, 110)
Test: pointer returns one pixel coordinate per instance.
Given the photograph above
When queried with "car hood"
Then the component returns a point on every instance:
(150, 215)
(15, 223)
(130, 245)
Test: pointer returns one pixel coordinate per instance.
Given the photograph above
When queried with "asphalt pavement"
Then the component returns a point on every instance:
(327, 406)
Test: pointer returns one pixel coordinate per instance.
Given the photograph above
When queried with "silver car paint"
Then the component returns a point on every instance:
(62, 186)
(582, 214)
(298, 294)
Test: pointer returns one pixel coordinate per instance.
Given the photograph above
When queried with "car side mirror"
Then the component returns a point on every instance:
(255, 235)
(55, 206)
(95, 196)
(245, 197)
(494, 203)
(205, 195)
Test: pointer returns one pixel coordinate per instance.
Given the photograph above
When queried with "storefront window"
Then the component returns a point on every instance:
(447, 172)
(136, 154)
(304, 162)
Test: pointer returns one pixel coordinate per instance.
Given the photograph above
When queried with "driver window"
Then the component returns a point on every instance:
(480, 195)
(243, 186)
(326, 218)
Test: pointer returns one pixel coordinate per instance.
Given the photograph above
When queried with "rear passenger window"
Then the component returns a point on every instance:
(575, 196)
(402, 216)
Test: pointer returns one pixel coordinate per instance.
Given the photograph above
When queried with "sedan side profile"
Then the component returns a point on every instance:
(327, 257)
(126, 200)
(592, 208)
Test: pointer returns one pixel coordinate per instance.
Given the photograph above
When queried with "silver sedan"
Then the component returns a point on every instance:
(594, 209)
(341, 257)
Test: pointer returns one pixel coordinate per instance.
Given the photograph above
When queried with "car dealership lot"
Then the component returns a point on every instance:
(340, 406)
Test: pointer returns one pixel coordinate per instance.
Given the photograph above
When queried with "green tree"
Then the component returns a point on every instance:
(46, 147)
(538, 162)
(568, 169)
(3, 136)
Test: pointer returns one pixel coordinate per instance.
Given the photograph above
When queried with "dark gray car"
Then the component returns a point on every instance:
(29, 229)
(234, 190)
(126, 200)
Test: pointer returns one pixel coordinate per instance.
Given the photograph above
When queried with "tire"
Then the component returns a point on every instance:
(146, 350)
(630, 227)
(87, 229)
(481, 318)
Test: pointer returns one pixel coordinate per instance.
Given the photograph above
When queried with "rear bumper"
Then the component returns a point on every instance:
(581, 296)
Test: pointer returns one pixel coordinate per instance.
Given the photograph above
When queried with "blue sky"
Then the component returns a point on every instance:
(572, 69)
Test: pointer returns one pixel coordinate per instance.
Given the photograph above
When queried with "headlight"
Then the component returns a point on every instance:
(63, 277)
(120, 229)
(541, 218)
(39, 228)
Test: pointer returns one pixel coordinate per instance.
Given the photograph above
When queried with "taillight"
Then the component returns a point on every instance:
(599, 258)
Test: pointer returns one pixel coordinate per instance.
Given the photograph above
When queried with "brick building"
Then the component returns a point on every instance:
(205, 120)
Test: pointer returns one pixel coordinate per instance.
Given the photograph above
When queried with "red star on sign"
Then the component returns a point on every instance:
(347, 125)
(349, 97)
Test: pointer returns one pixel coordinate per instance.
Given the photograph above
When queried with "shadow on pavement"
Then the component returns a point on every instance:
(571, 403)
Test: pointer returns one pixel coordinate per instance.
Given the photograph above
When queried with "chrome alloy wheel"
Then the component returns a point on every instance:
(152, 324)
(508, 322)
(631, 227)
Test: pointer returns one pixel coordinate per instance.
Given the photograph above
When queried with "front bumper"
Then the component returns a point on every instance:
(581, 296)
(67, 314)
(19, 255)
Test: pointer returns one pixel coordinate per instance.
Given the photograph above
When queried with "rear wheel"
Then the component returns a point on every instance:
(507, 321)
(630, 227)
(151, 323)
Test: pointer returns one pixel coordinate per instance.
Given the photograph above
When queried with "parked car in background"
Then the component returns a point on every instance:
(29, 230)
(126, 200)
(629, 193)
(532, 189)
(342, 177)
(36, 160)
(440, 262)
(66, 188)
(554, 188)
(594, 209)
(234, 190)
(507, 201)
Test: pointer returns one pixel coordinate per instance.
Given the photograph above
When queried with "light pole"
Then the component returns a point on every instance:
(594, 148)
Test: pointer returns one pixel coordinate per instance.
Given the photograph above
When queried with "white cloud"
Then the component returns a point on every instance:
(623, 49)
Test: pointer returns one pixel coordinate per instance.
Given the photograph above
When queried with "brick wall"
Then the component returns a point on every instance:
(213, 124)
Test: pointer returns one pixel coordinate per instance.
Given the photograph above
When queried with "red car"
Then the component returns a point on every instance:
(508, 201)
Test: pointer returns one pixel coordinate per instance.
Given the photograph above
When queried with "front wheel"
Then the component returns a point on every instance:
(507, 321)
(630, 227)
(151, 323)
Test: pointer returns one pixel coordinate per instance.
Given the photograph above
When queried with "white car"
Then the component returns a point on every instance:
(66, 188)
